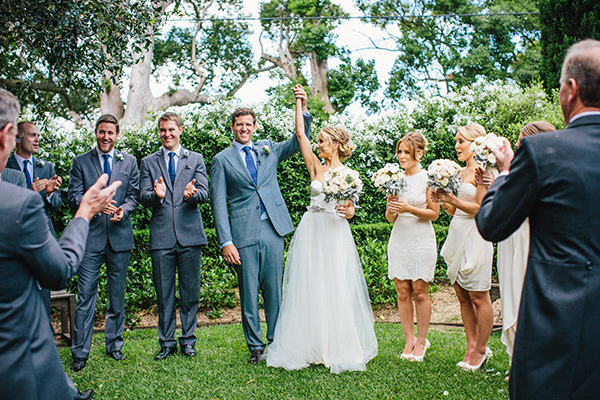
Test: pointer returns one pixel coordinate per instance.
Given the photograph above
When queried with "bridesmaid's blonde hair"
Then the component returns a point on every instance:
(537, 127)
(471, 131)
(415, 142)
(340, 136)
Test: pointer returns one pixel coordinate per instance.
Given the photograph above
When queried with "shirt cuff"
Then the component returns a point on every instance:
(227, 243)
(503, 173)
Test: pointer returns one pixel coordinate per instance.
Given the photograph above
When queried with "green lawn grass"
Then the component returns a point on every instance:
(221, 371)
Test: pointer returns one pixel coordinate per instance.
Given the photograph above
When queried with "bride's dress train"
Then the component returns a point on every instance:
(325, 317)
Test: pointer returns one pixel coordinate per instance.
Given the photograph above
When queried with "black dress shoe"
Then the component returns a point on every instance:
(256, 356)
(116, 355)
(87, 395)
(188, 350)
(78, 364)
(165, 352)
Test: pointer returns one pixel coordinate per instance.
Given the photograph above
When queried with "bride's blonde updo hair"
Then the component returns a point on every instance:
(340, 136)
(471, 131)
(415, 142)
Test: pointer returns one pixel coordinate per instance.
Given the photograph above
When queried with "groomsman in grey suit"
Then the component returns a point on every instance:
(173, 183)
(39, 174)
(110, 240)
(30, 368)
(251, 230)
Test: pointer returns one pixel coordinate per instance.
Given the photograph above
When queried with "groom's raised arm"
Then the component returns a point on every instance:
(289, 147)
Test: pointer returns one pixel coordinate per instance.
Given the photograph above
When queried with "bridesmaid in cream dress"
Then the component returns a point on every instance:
(513, 254)
(412, 250)
(468, 256)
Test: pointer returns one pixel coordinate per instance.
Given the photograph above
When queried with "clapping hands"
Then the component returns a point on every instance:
(190, 190)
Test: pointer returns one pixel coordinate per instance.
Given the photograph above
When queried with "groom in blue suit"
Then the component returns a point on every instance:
(250, 232)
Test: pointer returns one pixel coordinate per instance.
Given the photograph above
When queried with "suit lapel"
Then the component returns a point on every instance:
(34, 167)
(12, 163)
(117, 166)
(233, 157)
(260, 160)
(96, 161)
(160, 159)
(183, 162)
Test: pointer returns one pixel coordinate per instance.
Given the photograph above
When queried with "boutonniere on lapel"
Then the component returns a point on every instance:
(186, 153)
(119, 156)
(266, 150)
(41, 163)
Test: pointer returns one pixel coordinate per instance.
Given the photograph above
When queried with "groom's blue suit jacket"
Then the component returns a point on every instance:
(231, 181)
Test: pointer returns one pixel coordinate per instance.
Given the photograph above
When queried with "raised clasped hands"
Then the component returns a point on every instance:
(160, 189)
(300, 94)
(53, 184)
(483, 177)
(39, 184)
(190, 190)
(97, 198)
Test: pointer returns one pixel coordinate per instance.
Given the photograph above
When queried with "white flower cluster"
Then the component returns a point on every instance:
(443, 174)
(483, 147)
(390, 180)
(342, 183)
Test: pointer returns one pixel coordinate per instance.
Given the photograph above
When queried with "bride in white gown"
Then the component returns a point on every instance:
(325, 316)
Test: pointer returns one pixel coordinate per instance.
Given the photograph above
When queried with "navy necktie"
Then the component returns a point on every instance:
(106, 164)
(252, 169)
(172, 167)
(27, 176)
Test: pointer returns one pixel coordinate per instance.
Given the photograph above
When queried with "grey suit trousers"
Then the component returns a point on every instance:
(117, 264)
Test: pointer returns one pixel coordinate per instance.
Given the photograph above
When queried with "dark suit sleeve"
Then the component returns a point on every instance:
(510, 199)
(132, 197)
(218, 201)
(55, 201)
(201, 185)
(76, 188)
(147, 196)
(287, 148)
(52, 263)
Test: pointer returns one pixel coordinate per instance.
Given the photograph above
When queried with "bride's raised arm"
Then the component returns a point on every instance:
(310, 159)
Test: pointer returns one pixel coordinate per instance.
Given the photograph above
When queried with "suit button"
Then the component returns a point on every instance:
(257, 207)
(588, 265)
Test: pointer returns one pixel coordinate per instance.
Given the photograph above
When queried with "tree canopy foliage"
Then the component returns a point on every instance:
(54, 52)
(446, 44)
(564, 23)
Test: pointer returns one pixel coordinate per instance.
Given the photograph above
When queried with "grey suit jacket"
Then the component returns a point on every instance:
(174, 219)
(555, 181)
(14, 176)
(85, 171)
(231, 182)
(43, 170)
(30, 368)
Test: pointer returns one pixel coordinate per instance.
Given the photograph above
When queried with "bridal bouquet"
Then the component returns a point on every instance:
(390, 180)
(342, 184)
(443, 174)
(483, 147)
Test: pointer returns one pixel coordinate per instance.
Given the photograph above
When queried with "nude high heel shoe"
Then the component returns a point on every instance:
(486, 356)
(421, 357)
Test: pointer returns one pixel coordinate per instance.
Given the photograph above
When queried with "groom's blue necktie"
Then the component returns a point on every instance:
(252, 170)
(27, 175)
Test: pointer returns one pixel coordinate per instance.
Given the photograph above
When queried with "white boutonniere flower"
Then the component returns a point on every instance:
(266, 150)
(41, 163)
(186, 153)
(119, 156)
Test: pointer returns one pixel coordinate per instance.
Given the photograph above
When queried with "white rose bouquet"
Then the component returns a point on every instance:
(342, 184)
(390, 180)
(483, 147)
(443, 174)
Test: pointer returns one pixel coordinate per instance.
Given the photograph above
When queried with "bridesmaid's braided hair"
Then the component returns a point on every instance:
(340, 136)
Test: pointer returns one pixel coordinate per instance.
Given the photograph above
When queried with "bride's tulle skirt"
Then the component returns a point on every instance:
(325, 317)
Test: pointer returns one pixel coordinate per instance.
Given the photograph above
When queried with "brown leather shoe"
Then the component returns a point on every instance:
(256, 356)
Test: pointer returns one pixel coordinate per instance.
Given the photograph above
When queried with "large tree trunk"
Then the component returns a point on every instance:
(318, 85)
(110, 100)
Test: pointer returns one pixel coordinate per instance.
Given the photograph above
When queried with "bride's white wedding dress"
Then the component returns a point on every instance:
(325, 316)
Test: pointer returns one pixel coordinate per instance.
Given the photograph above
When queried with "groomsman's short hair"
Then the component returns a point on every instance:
(108, 118)
(583, 65)
(9, 108)
(241, 112)
(171, 116)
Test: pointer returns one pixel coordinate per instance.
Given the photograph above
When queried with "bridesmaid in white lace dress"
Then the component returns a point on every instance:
(468, 256)
(513, 254)
(325, 315)
(412, 250)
